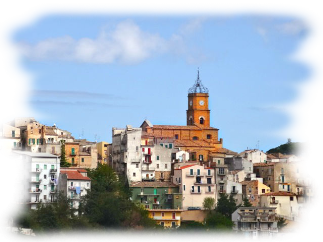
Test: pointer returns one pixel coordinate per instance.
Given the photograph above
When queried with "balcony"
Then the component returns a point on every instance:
(149, 168)
(190, 174)
(35, 180)
(221, 181)
(37, 190)
(220, 173)
(53, 170)
(135, 160)
(37, 170)
(209, 174)
(274, 202)
(234, 192)
(73, 154)
(222, 191)
(15, 171)
(73, 188)
(199, 174)
(195, 192)
(53, 191)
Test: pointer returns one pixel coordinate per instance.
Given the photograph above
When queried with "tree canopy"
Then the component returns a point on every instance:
(226, 205)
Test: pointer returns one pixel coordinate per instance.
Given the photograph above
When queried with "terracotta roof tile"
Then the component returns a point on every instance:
(279, 194)
(74, 175)
(184, 167)
(264, 164)
(192, 143)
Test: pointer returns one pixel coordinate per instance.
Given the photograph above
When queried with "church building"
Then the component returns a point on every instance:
(196, 137)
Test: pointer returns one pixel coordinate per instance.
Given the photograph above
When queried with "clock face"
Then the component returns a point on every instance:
(201, 102)
(191, 103)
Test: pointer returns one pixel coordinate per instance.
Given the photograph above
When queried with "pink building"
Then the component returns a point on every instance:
(195, 183)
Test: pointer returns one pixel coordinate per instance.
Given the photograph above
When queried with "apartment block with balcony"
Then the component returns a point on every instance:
(168, 218)
(286, 204)
(195, 182)
(74, 184)
(156, 195)
(255, 221)
(10, 138)
(43, 177)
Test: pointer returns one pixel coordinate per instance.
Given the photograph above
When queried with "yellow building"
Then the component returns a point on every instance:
(168, 218)
(103, 152)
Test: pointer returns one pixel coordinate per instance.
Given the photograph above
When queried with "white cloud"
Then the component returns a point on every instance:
(262, 32)
(127, 43)
(192, 26)
(291, 28)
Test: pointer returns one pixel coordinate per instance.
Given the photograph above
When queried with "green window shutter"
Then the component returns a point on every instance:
(45, 167)
(37, 166)
(157, 157)
(33, 141)
(14, 144)
(52, 167)
(170, 146)
(161, 145)
(37, 141)
(13, 133)
(73, 151)
(72, 160)
(166, 146)
(29, 141)
(82, 159)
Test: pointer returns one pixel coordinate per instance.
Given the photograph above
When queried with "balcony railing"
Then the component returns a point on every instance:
(37, 190)
(234, 192)
(73, 188)
(195, 192)
(37, 170)
(274, 202)
(53, 170)
(73, 154)
(190, 174)
(199, 174)
(35, 180)
(221, 181)
(150, 168)
(53, 191)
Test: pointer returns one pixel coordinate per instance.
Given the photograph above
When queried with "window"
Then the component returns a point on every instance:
(13, 133)
(45, 167)
(209, 172)
(208, 136)
(221, 170)
(170, 146)
(195, 138)
(45, 176)
(137, 148)
(73, 151)
(162, 214)
(179, 180)
(198, 172)
(14, 144)
(209, 188)
(137, 165)
(263, 190)
(166, 146)
(72, 161)
(191, 171)
(176, 136)
(143, 149)
(291, 198)
(71, 183)
(157, 166)
(165, 166)
(162, 224)
(87, 184)
(161, 145)
(219, 162)
(45, 197)
(184, 187)
(201, 157)
(201, 120)
(157, 157)
(192, 188)
(146, 206)
(134, 174)
(52, 167)
(82, 159)
(45, 187)
(39, 131)
(198, 189)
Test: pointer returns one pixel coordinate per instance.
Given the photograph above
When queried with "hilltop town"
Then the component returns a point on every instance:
(176, 175)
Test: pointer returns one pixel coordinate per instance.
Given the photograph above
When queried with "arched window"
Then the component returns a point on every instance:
(190, 120)
(208, 136)
(201, 120)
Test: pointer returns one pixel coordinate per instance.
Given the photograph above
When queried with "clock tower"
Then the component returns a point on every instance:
(198, 104)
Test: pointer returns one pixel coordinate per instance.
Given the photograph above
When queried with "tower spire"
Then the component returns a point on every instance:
(198, 86)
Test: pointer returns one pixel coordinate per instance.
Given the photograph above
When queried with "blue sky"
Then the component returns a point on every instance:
(95, 72)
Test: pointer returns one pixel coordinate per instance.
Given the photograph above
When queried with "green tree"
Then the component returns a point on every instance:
(246, 203)
(226, 205)
(5, 181)
(218, 221)
(281, 223)
(208, 203)
(192, 231)
(64, 162)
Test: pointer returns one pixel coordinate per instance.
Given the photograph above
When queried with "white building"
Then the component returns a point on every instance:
(74, 183)
(255, 156)
(42, 174)
(195, 183)
(286, 203)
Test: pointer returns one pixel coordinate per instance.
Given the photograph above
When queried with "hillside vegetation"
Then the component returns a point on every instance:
(309, 147)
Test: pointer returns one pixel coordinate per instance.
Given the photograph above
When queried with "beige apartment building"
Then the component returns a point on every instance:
(196, 183)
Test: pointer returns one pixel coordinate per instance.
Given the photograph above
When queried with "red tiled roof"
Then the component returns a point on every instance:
(264, 164)
(74, 175)
(192, 143)
(184, 167)
(279, 194)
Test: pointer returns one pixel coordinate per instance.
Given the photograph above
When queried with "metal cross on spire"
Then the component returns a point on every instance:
(198, 86)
